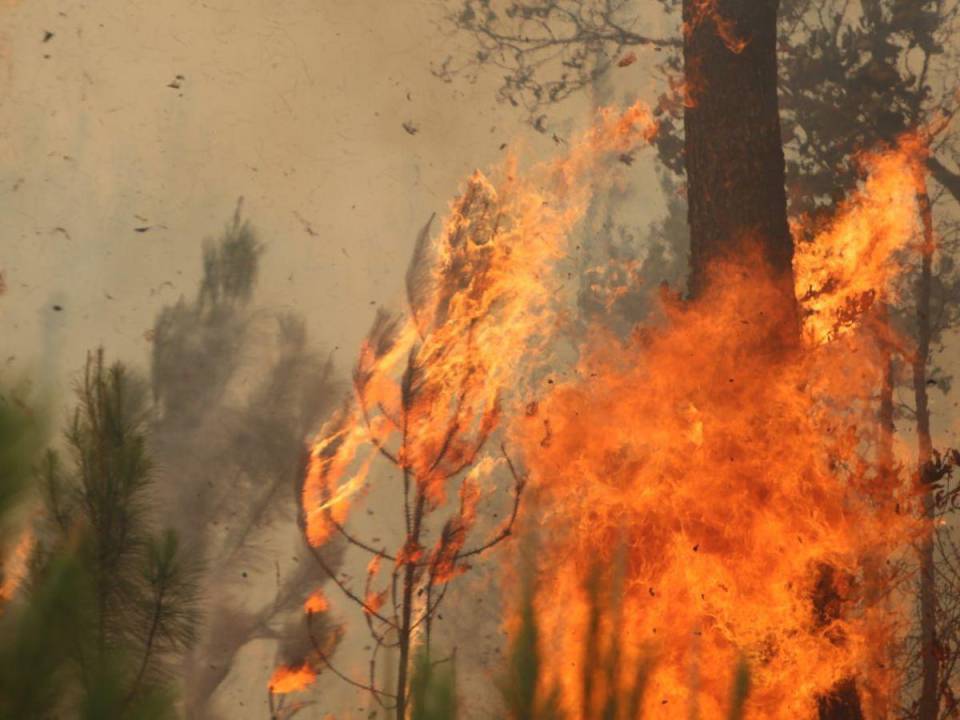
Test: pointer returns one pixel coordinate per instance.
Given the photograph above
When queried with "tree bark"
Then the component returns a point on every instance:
(733, 147)
(930, 670)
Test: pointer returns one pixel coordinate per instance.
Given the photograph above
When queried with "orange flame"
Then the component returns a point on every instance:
(855, 260)
(483, 300)
(317, 602)
(287, 680)
(704, 10)
(431, 387)
(735, 472)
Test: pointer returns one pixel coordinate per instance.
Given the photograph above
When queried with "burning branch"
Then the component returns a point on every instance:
(430, 388)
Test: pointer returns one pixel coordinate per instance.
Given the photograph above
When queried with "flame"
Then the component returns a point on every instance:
(317, 602)
(430, 387)
(287, 680)
(704, 10)
(15, 565)
(732, 468)
(858, 257)
(482, 301)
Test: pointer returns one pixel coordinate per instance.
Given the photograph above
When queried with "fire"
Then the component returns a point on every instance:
(707, 10)
(731, 470)
(855, 260)
(431, 386)
(317, 602)
(15, 565)
(482, 298)
(723, 461)
(287, 680)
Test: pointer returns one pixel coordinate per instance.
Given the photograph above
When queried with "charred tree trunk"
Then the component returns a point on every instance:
(733, 147)
(929, 693)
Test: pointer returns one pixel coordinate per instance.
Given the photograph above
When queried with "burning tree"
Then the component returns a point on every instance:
(855, 75)
(732, 465)
(431, 388)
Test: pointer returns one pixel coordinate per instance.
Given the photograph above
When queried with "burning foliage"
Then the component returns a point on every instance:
(432, 387)
(736, 468)
(728, 455)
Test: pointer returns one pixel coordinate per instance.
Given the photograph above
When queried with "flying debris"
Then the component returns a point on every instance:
(306, 224)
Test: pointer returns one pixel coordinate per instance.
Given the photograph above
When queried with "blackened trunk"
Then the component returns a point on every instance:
(733, 146)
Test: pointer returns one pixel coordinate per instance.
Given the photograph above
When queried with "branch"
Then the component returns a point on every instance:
(326, 661)
(946, 177)
(344, 589)
(519, 484)
(359, 543)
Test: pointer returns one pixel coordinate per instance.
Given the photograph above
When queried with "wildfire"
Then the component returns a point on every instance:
(731, 469)
(316, 603)
(726, 463)
(853, 263)
(706, 10)
(431, 387)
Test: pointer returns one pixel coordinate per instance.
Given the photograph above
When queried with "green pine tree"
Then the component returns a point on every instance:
(111, 604)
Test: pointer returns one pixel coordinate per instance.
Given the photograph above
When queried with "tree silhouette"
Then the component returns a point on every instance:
(238, 389)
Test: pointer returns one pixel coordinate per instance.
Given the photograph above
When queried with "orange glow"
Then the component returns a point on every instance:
(731, 466)
(14, 568)
(291, 679)
(431, 386)
(316, 603)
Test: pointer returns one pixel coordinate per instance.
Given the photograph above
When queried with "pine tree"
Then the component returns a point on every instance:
(123, 598)
(238, 388)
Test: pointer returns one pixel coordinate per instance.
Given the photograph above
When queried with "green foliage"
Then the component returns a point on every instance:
(230, 266)
(519, 684)
(741, 688)
(21, 436)
(433, 689)
(108, 606)
(524, 696)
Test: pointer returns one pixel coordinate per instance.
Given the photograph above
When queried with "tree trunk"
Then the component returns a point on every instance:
(733, 147)
(405, 632)
(735, 186)
(929, 693)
